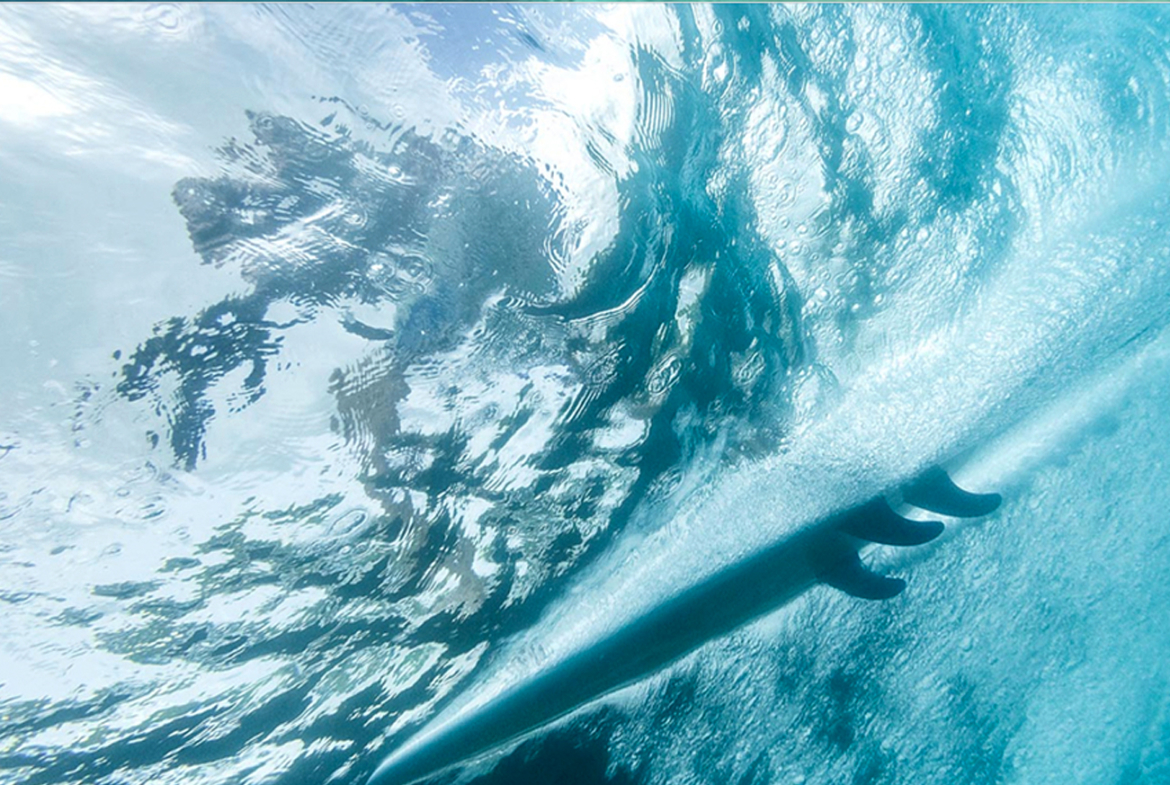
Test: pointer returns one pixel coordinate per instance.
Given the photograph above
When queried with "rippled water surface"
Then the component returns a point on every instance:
(343, 344)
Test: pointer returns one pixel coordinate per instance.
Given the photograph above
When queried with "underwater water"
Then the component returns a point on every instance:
(349, 350)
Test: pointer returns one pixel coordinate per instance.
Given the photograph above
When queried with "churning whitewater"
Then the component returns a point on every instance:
(588, 393)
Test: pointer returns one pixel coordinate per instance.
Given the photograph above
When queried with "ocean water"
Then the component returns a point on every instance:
(351, 353)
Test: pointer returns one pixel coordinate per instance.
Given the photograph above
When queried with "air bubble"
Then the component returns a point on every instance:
(785, 192)
(356, 218)
(167, 16)
(349, 523)
(604, 370)
(665, 376)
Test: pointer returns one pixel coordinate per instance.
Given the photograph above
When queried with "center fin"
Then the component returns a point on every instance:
(874, 521)
(933, 490)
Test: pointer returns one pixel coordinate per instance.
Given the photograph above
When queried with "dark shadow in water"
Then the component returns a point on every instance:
(576, 755)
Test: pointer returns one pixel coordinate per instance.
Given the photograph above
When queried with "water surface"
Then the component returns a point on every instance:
(341, 343)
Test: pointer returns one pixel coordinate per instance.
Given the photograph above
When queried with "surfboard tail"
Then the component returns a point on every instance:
(876, 522)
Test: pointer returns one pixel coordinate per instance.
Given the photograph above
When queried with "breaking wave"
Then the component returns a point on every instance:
(345, 338)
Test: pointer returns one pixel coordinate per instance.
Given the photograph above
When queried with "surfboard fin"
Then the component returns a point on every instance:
(874, 521)
(934, 490)
(851, 576)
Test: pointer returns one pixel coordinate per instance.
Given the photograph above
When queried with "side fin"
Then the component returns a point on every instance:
(850, 576)
(874, 521)
(933, 490)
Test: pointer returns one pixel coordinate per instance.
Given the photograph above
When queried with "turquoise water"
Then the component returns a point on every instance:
(356, 355)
